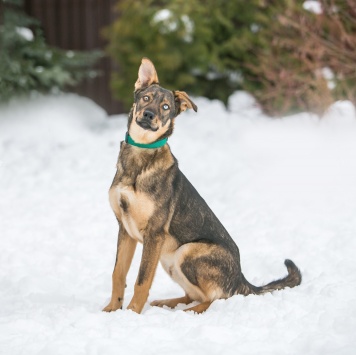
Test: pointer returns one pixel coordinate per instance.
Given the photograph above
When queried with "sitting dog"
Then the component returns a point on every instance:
(156, 205)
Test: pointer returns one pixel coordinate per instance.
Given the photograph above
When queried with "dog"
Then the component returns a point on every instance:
(156, 205)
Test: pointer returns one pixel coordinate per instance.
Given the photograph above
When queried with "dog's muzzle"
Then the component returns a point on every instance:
(146, 121)
(148, 115)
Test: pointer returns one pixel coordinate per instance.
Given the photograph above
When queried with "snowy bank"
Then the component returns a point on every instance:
(283, 188)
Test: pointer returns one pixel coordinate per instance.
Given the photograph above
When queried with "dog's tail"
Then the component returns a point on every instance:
(294, 278)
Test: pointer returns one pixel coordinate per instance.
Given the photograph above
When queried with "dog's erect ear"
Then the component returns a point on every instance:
(147, 75)
(183, 101)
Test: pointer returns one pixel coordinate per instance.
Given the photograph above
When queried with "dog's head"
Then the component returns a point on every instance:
(155, 108)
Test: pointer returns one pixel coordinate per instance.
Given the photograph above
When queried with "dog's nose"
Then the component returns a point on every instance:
(148, 115)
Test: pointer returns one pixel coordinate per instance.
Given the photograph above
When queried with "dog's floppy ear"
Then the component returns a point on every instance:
(147, 75)
(183, 101)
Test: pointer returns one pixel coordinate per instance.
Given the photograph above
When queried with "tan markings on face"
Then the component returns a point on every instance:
(145, 136)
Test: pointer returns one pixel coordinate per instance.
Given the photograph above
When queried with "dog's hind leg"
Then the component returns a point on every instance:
(205, 271)
(173, 302)
(200, 308)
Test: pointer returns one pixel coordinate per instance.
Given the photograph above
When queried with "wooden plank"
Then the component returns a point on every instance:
(77, 24)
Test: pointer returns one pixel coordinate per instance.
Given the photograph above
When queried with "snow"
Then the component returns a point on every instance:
(284, 188)
(313, 6)
(169, 22)
(329, 76)
(166, 20)
(25, 33)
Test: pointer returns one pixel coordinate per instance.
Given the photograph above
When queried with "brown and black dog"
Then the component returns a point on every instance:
(156, 205)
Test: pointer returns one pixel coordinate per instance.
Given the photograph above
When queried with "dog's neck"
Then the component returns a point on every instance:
(158, 144)
(134, 161)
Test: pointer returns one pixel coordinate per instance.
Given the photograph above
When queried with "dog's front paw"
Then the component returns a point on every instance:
(135, 307)
(113, 306)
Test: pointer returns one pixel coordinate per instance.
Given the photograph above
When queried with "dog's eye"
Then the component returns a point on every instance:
(146, 98)
(165, 107)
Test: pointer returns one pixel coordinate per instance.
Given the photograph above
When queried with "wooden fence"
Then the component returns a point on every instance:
(77, 25)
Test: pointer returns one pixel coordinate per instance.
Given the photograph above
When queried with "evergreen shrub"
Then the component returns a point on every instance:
(289, 58)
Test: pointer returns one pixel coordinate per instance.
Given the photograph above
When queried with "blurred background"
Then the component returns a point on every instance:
(290, 55)
(281, 187)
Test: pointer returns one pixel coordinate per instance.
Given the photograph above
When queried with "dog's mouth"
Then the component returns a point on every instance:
(146, 125)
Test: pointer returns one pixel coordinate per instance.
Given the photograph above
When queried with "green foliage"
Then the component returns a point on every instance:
(198, 46)
(275, 49)
(136, 34)
(28, 64)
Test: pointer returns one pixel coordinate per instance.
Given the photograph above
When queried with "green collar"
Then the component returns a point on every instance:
(153, 145)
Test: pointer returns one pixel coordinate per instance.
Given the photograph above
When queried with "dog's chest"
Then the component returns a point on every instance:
(132, 208)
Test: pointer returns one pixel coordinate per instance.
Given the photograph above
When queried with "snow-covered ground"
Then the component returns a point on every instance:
(283, 188)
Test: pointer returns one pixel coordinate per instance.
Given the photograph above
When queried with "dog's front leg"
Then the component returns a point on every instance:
(125, 250)
(152, 246)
